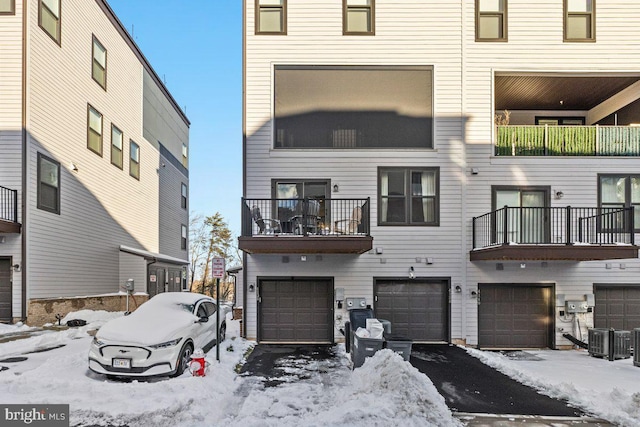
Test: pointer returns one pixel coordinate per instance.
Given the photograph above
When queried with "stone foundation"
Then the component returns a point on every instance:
(42, 311)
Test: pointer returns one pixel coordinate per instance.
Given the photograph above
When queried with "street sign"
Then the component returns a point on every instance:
(217, 268)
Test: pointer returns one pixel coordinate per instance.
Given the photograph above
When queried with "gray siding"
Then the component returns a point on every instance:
(171, 214)
(133, 267)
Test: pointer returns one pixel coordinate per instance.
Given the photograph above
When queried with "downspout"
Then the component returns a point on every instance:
(243, 333)
(23, 201)
(465, 181)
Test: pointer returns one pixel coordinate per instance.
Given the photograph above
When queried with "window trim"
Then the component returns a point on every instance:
(505, 26)
(185, 155)
(58, 37)
(184, 234)
(131, 160)
(121, 165)
(184, 195)
(12, 10)
(592, 23)
(372, 14)
(257, 10)
(39, 204)
(93, 61)
(627, 194)
(89, 108)
(408, 197)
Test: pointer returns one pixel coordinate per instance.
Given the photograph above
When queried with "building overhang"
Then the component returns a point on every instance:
(283, 244)
(10, 227)
(150, 256)
(554, 252)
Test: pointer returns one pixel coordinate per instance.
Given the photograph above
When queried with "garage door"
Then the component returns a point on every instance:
(5, 290)
(617, 307)
(296, 311)
(515, 316)
(416, 309)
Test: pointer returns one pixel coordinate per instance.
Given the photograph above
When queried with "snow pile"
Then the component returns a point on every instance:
(18, 327)
(604, 389)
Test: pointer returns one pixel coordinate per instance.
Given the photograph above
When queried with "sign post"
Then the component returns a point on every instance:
(217, 271)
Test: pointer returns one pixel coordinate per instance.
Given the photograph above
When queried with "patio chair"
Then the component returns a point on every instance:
(349, 226)
(265, 225)
(307, 217)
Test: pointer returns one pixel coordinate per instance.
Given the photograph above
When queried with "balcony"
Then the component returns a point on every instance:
(546, 233)
(548, 140)
(9, 211)
(305, 226)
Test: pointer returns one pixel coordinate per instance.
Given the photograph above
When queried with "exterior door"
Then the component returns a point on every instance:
(526, 225)
(5, 290)
(513, 316)
(156, 282)
(296, 310)
(417, 309)
(617, 307)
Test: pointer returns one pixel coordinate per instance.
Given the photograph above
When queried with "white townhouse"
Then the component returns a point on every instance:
(470, 169)
(93, 159)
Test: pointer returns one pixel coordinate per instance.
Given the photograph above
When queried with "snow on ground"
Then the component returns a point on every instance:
(386, 390)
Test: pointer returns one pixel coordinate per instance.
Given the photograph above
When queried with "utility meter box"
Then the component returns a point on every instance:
(129, 285)
(356, 303)
(576, 306)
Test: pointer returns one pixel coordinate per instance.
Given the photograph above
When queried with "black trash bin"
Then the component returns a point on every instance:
(399, 344)
(357, 319)
(363, 348)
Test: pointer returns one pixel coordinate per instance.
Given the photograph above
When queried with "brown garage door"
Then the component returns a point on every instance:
(296, 311)
(416, 309)
(5, 290)
(617, 307)
(514, 316)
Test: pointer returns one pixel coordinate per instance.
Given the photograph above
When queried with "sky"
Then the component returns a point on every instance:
(384, 391)
(197, 51)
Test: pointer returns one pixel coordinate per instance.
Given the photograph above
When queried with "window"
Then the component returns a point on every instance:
(358, 17)
(290, 192)
(559, 121)
(528, 221)
(49, 18)
(271, 16)
(134, 160)
(183, 238)
(183, 196)
(94, 131)
(619, 191)
(48, 184)
(408, 196)
(7, 7)
(99, 70)
(491, 20)
(353, 107)
(185, 157)
(116, 146)
(579, 20)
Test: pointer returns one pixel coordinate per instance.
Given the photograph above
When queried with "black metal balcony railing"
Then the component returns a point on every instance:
(530, 140)
(322, 217)
(8, 205)
(549, 225)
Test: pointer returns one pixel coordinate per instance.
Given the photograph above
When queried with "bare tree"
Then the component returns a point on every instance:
(198, 239)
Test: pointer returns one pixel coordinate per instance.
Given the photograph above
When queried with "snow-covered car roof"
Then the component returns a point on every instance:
(160, 319)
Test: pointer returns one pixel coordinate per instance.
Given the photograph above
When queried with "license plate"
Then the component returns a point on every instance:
(121, 363)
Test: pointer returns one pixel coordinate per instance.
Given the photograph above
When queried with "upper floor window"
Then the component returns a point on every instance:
(183, 237)
(619, 191)
(358, 17)
(351, 107)
(183, 196)
(491, 20)
(271, 16)
(408, 196)
(94, 130)
(7, 7)
(579, 20)
(99, 70)
(116, 146)
(185, 157)
(48, 184)
(134, 160)
(49, 17)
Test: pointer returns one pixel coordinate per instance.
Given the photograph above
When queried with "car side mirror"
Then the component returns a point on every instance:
(203, 319)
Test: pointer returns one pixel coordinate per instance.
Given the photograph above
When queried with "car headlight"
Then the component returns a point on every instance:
(166, 344)
(97, 342)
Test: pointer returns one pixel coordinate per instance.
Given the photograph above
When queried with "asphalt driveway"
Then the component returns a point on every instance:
(468, 385)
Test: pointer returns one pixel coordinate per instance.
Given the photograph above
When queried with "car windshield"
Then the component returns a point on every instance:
(187, 307)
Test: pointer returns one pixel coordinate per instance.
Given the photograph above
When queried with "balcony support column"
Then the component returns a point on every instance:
(568, 226)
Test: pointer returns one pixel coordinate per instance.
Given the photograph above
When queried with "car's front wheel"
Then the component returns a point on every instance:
(183, 359)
